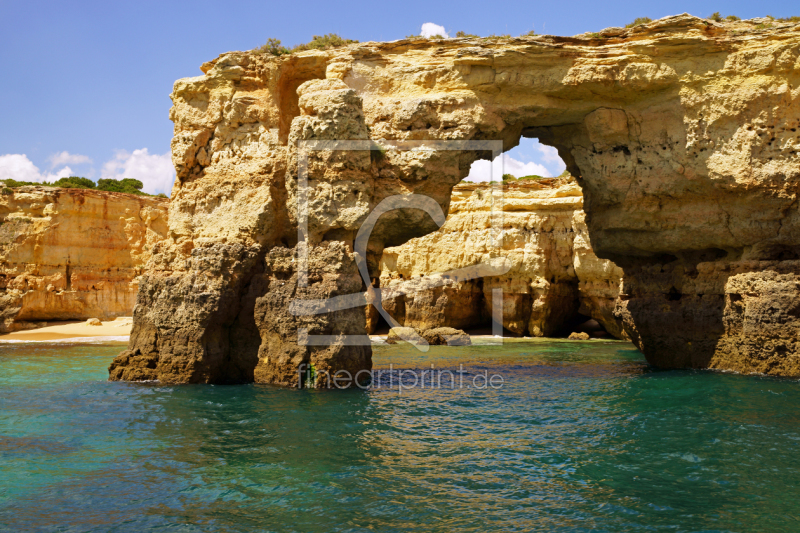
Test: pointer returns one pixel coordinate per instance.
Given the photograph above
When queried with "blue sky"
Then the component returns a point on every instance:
(86, 85)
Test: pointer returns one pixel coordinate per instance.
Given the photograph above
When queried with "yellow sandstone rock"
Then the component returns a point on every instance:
(552, 272)
(682, 133)
(73, 254)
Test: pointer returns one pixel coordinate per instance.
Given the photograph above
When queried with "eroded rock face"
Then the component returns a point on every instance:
(551, 274)
(73, 254)
(682, 134)
(730, 315)
(331, 272)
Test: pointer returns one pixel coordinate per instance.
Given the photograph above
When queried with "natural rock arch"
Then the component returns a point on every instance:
(683, 135)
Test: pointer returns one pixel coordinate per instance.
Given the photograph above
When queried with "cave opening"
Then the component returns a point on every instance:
(581, 323)
(382, 327)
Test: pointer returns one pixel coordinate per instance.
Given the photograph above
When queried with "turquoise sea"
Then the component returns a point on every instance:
(581, 436)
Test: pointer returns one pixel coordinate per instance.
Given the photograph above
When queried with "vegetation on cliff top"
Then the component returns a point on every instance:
(639, 21)
(507, 178)
(318, 42)
(332, 40)
(717, 17)
(125, 185)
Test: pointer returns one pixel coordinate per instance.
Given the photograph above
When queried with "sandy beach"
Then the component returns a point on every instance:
(112, 331)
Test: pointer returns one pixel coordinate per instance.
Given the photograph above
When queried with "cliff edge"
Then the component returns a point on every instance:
(72, 254)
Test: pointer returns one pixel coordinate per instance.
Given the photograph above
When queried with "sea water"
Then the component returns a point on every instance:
(580, 436)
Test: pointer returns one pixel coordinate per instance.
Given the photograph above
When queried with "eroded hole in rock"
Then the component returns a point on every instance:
(301, 70)
(772, 252)
(583, 324)
(530, 160)
(674, 295)
(554, 284)
(381, 327)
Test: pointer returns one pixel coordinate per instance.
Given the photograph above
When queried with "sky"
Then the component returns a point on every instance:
(85, 86)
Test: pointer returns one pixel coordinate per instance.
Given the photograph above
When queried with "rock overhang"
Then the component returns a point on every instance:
(682, 133)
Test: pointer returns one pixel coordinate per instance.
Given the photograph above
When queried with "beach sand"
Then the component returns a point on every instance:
(113, 331)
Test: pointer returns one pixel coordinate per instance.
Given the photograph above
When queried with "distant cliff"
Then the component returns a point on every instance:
(553, 276)
(73, 253)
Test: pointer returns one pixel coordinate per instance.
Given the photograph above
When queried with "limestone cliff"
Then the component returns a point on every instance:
(682, 134)
(552, 273)
(73, 253)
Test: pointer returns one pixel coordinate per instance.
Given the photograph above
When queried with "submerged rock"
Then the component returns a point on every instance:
(446, 336)
(442, 336)
(397, 335)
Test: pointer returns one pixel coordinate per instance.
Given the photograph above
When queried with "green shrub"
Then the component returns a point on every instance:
(323, 42)
(274, 47)
(789, 19)
(6, 190)
(437, 36)
(715, 16)
(126, 185)
(510, 177)
(639, 21)
(732, 18)
(494, 37)
(317, 42)
(14, 183)
(465, 35)
(531, 33)
(74, 182)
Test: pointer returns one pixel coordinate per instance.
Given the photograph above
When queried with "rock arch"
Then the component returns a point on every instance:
(682, 133)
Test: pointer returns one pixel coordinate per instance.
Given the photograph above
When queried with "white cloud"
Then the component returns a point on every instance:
(550, 158)
(19, 167)
(520, 168)
(481, 169)
(549, 154)
(66, 158)
(429, 29)
(154, 171)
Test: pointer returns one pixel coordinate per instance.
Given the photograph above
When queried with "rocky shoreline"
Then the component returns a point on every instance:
(682, 134)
